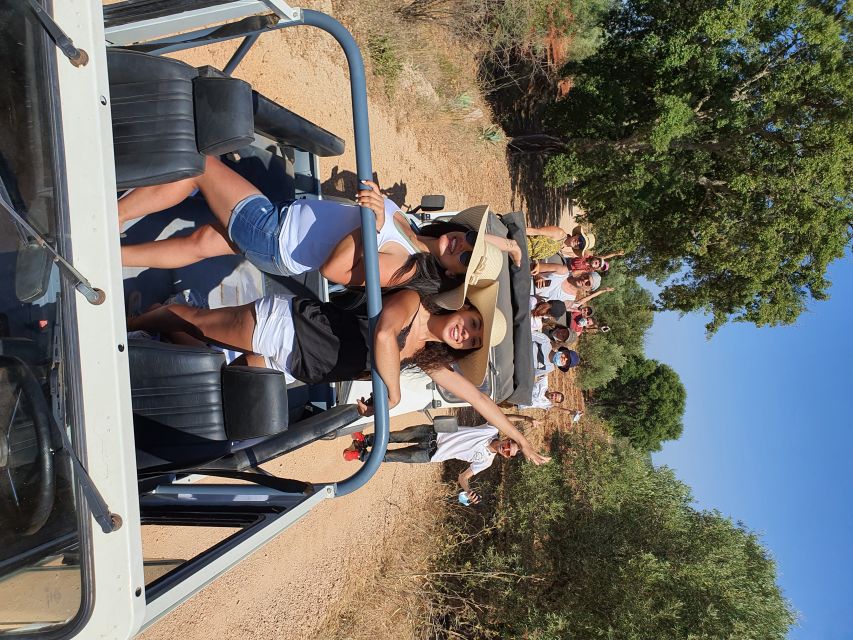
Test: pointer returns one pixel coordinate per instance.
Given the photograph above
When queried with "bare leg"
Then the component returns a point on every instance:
(230, 327)
(221, 186)
(207, 241)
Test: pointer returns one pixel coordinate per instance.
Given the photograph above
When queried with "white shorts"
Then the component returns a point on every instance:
(274, 335)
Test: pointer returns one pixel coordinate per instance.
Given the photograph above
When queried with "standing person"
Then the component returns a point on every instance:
(546, 358)
(561, 285)
(544, 242)
(542, 310)
(542, 397)
(475, 445)
(587, 264)
(307, 235)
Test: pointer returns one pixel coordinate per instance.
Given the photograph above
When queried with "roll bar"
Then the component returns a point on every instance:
(364, 169)
(249, 29)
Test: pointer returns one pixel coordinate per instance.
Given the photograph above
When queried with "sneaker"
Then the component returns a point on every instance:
(353, 453)
(188, 298)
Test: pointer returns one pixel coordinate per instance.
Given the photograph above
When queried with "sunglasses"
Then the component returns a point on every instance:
(465, 256)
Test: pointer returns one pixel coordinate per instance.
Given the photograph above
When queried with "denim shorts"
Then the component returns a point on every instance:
(255, 227)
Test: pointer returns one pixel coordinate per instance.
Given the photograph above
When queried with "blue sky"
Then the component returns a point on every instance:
(768, 440)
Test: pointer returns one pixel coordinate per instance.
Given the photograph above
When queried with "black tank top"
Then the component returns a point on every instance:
(331, 344)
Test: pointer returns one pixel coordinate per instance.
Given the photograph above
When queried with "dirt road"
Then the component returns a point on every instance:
(291, 587)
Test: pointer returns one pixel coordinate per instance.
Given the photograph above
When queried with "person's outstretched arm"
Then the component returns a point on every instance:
(550, 231)
(586, 299)
(547, 267)
(485, 406)
(615, 254)
(397, 311)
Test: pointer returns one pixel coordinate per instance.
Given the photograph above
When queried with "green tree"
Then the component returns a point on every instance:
(644, 403)
(600, 360)
(599, 544)
(628, 311)
(713, 140)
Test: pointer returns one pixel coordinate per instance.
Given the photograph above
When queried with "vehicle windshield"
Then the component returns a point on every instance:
(40, 534)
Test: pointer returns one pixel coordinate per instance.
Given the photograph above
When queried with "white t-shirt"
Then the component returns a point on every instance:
(311, 229)
(274, 335)
(539, 400)
(554, 290)
(470, 444)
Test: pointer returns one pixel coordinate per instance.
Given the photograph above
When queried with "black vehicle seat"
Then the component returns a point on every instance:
(166, 118)
(189, 409)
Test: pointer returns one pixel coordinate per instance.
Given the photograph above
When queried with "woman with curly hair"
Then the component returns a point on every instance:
(318, 342)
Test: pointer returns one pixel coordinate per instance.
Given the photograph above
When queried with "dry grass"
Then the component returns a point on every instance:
(389, 600)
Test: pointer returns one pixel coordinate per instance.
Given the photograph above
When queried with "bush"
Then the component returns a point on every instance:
(600, 361)
(599, 544)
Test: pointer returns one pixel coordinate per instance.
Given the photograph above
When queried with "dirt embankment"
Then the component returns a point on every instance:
(296, 584)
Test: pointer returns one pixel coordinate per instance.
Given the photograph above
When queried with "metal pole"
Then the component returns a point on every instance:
(364, 170)
(240, 53)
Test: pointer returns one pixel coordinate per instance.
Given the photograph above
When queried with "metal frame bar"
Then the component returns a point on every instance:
(145, 30)
(168, 592)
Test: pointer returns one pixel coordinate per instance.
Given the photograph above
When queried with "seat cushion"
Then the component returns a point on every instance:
(179, 387)
(154, 137)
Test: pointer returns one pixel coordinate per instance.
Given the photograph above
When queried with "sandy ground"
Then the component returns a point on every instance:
(291, 587)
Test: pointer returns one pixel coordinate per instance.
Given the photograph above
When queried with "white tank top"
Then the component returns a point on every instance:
(311, 230)
(391, 233)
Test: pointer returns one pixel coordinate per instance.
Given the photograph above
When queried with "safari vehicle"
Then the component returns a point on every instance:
(101, 434)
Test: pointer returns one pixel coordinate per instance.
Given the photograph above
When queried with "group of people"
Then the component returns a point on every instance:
(439, 289)
(566, 277)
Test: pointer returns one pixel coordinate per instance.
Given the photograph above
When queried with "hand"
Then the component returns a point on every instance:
(473, 498)
(609, 289)
(539, 281)
(536, 424)
(514, 252)
(365, 407)
(373, 200)
(534, 268)
(535, 458)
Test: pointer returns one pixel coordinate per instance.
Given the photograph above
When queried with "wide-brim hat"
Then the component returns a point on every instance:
(486, 259)
(594, 280)
(473, 367)
(588, 241)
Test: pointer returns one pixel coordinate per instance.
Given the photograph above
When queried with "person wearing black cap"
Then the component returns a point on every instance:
(541, 310)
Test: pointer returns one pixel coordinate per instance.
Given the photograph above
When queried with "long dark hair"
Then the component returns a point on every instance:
(437, 355)
(428, 279)
(440, 227)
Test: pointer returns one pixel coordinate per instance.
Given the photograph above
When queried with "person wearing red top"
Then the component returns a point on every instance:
(586, 264)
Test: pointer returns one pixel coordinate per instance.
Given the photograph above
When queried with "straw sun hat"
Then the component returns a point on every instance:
(480, 287)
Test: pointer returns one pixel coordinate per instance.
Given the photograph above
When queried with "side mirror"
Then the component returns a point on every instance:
(445, 424)
(429, 203)
(432, 203)
(32, 272)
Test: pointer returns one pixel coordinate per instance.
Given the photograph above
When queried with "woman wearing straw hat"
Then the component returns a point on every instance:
(317, 342)
(544, 242)
(306, 235)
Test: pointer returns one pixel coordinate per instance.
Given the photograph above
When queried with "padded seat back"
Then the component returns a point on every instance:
(165, 118)
(189, 409)
(153, 125)
(178, 386)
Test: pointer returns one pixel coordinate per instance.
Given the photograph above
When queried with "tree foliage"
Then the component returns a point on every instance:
(628, 311)
(645, 403)
(713, 140)
(600, 360)
(598, 544)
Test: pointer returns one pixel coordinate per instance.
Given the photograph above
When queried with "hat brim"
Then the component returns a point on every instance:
(486, 260)
(588, 239)
(474, 366)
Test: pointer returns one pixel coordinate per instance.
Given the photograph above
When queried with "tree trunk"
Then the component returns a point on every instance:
(539, 143)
